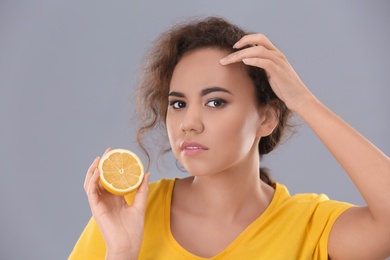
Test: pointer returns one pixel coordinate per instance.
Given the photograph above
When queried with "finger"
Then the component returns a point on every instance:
(268, 65)
(90, 171)
(255, 39)
(253, 52)
(142, 195)
(107, 150)
(92, 188)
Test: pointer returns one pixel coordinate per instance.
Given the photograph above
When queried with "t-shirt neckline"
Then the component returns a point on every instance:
(232, 245)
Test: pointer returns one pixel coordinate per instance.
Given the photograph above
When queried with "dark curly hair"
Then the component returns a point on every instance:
(166, 51)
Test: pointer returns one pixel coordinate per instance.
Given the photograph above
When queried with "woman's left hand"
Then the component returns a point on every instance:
(283, 79)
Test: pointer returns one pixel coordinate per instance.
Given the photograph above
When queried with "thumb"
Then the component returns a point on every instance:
(142, 195)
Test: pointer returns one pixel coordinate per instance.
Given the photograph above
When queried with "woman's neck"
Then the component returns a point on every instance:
(231, 194)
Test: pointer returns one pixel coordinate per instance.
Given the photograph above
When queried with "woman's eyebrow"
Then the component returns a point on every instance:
(203, 92)
(175, 94)
(209, 90)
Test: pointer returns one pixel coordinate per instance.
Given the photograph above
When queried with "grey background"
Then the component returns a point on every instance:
(68, 70)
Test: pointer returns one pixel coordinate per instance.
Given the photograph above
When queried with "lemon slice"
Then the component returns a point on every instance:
(121, 171)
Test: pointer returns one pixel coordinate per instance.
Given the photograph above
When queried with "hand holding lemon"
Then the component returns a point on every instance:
(120, 172)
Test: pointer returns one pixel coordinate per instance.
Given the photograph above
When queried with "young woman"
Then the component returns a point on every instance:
(224, 96)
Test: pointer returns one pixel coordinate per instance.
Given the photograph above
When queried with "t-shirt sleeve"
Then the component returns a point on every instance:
(90, 244)
(324, 213)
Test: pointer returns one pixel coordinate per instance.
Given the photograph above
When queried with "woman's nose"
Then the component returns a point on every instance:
(192, 120)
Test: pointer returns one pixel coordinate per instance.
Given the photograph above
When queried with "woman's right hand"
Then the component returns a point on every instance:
(122, 226)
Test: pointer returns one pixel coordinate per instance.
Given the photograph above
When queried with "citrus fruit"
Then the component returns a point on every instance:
(121, 171)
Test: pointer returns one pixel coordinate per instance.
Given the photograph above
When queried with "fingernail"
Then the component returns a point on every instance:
(223, 61)
(235, 45)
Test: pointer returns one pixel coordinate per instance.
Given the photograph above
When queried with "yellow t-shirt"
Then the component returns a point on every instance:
(292, 227)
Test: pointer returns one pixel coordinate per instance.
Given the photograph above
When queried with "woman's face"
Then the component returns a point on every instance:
(213, 121)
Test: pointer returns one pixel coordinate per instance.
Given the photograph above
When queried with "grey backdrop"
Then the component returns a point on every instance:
(68, 70)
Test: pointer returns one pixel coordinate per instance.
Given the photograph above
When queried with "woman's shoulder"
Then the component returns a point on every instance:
(311, 203)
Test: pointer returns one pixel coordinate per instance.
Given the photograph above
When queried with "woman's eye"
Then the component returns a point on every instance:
(216, 103)
(177, 104)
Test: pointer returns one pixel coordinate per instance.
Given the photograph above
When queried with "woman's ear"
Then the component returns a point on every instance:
(268, 121)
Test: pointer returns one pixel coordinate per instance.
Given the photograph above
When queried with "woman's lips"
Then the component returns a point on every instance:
(192, 148)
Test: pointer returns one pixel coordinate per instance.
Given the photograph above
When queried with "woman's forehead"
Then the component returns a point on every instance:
(202, 66)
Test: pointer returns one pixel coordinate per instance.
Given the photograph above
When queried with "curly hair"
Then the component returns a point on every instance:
(160, 62)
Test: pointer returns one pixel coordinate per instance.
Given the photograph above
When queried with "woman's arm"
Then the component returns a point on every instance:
(361, 232)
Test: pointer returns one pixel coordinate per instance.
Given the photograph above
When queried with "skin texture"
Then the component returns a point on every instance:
(225, 180)
(213, 119)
